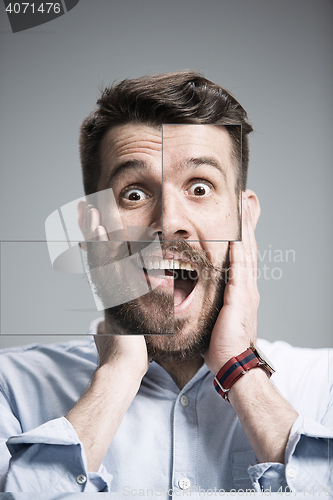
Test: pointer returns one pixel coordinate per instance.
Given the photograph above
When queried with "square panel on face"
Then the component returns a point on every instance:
(131, 161)
(126, 266)
(202, 172)
(133, 282)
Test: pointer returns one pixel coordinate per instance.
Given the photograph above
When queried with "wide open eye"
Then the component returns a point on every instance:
(199, 189)
(135, 194)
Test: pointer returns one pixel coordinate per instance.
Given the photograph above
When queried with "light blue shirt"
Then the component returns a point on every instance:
(170, 441)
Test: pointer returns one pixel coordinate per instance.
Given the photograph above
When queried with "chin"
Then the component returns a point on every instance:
(155, 319)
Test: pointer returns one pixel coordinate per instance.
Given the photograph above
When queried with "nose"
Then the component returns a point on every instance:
(174, 222)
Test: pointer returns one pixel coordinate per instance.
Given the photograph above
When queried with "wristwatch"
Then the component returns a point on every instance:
(237, 367)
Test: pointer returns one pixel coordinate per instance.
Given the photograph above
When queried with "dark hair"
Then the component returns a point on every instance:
(183, 97)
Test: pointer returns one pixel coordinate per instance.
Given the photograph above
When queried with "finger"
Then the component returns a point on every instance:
(96, 230)
(242, 254)
(249, 231)
(249, 242)
(88, 231)
(88, 207)
(237, 263)
(94, 221)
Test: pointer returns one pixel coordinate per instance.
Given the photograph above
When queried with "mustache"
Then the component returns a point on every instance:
(197, 256)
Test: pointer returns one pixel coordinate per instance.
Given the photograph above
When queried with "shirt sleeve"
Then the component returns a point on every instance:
(308, 462)
(51, 458)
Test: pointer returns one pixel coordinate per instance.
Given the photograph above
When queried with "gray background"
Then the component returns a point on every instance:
(274, 56)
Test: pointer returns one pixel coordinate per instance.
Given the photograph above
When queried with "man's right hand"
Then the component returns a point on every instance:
(123, 361)
(131, 348)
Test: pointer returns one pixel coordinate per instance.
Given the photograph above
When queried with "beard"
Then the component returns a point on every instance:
(186, 344)
(169, 339)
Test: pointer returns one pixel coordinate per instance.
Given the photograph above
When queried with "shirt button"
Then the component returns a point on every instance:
(184, 400)
(81, 479)
(291, 472)
(184, 483)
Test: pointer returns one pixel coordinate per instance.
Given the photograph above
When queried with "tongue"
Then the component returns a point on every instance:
(182, 289)
(179, 296)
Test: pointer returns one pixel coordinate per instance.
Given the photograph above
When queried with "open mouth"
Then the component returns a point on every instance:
(178, 274)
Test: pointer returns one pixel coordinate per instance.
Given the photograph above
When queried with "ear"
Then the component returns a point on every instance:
(81, 221)
(254, 206)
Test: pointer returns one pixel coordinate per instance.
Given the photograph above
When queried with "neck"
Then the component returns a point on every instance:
(183, 371)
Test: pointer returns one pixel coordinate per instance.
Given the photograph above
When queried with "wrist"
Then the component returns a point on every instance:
(126, 354)
(122, 370)
(247, 386)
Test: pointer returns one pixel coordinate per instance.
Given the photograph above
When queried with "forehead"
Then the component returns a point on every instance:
(173, 144)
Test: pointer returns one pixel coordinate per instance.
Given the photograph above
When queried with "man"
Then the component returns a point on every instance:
(170, 148)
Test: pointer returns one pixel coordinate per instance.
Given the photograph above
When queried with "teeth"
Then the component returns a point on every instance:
(156, 264)
(149, 265)
(166, 264)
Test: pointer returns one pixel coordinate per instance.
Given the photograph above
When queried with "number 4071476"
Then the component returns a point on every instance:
(25, 8)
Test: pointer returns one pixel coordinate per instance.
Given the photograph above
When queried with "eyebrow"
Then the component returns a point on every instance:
(122, 166)
(136, 164)
(206, 160)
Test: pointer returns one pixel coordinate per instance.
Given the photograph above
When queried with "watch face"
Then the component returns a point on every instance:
(264, 358)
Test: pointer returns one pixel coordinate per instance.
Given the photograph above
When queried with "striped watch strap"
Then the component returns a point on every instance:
(233, 370)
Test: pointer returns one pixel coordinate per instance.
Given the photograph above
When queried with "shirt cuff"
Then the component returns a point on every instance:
(51, 457)
(268, 477)
(308, 466)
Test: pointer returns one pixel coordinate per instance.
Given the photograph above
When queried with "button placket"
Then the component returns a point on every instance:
(184, 442)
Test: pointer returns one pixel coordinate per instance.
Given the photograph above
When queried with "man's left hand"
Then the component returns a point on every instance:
(236, 326)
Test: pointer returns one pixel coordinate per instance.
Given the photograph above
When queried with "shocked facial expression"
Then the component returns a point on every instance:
(180, 182)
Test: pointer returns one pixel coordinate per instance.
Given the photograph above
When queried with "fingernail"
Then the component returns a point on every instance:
(100, 231)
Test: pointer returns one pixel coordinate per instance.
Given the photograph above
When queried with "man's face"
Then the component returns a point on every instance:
(178, 181)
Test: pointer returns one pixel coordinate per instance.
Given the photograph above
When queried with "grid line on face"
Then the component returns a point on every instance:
(173, 295)
(241, 183)
(162, 183)
(114, 240)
